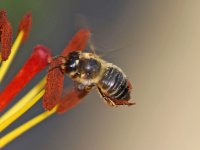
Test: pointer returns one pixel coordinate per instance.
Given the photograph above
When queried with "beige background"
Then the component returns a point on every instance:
(161, 56)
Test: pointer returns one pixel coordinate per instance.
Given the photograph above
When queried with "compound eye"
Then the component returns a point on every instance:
(72, 63)
(73, 60)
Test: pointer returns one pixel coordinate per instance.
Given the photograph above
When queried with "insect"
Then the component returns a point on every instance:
(89, 71)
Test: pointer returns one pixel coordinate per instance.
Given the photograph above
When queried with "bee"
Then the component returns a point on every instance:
(89, 71)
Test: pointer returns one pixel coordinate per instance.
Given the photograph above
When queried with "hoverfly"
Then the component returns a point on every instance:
(88, 71)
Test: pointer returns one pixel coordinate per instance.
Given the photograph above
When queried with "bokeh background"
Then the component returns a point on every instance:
(159, 50)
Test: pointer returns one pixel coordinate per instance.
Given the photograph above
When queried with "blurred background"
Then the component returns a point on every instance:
(159, 51)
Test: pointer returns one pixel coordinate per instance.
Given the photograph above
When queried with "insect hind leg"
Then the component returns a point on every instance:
(114, 102)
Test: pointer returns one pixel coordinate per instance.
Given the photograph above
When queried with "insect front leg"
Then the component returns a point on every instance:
(57, 57)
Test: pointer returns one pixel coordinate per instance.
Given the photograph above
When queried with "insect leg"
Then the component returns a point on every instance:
(58, 66)
(114, 102)
(123, 102)
(56, 57)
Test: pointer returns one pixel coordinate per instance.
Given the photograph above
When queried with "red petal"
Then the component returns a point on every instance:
(36, 62)
(5, 35)
(54, 86)
(25, 25)
(78, 42)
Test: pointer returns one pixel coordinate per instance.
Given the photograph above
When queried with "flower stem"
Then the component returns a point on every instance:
(26, 126)
(22, 105)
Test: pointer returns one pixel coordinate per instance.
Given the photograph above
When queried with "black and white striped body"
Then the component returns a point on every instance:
(114, 84)
(90, 71)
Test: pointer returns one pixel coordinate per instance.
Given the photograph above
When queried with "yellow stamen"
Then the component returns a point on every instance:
(5, 65)
(23, 105)
(26, 126)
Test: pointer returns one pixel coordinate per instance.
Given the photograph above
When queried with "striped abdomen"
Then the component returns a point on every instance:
(114, 85)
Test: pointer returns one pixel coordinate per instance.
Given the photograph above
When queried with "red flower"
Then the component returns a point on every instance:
(35, 63)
